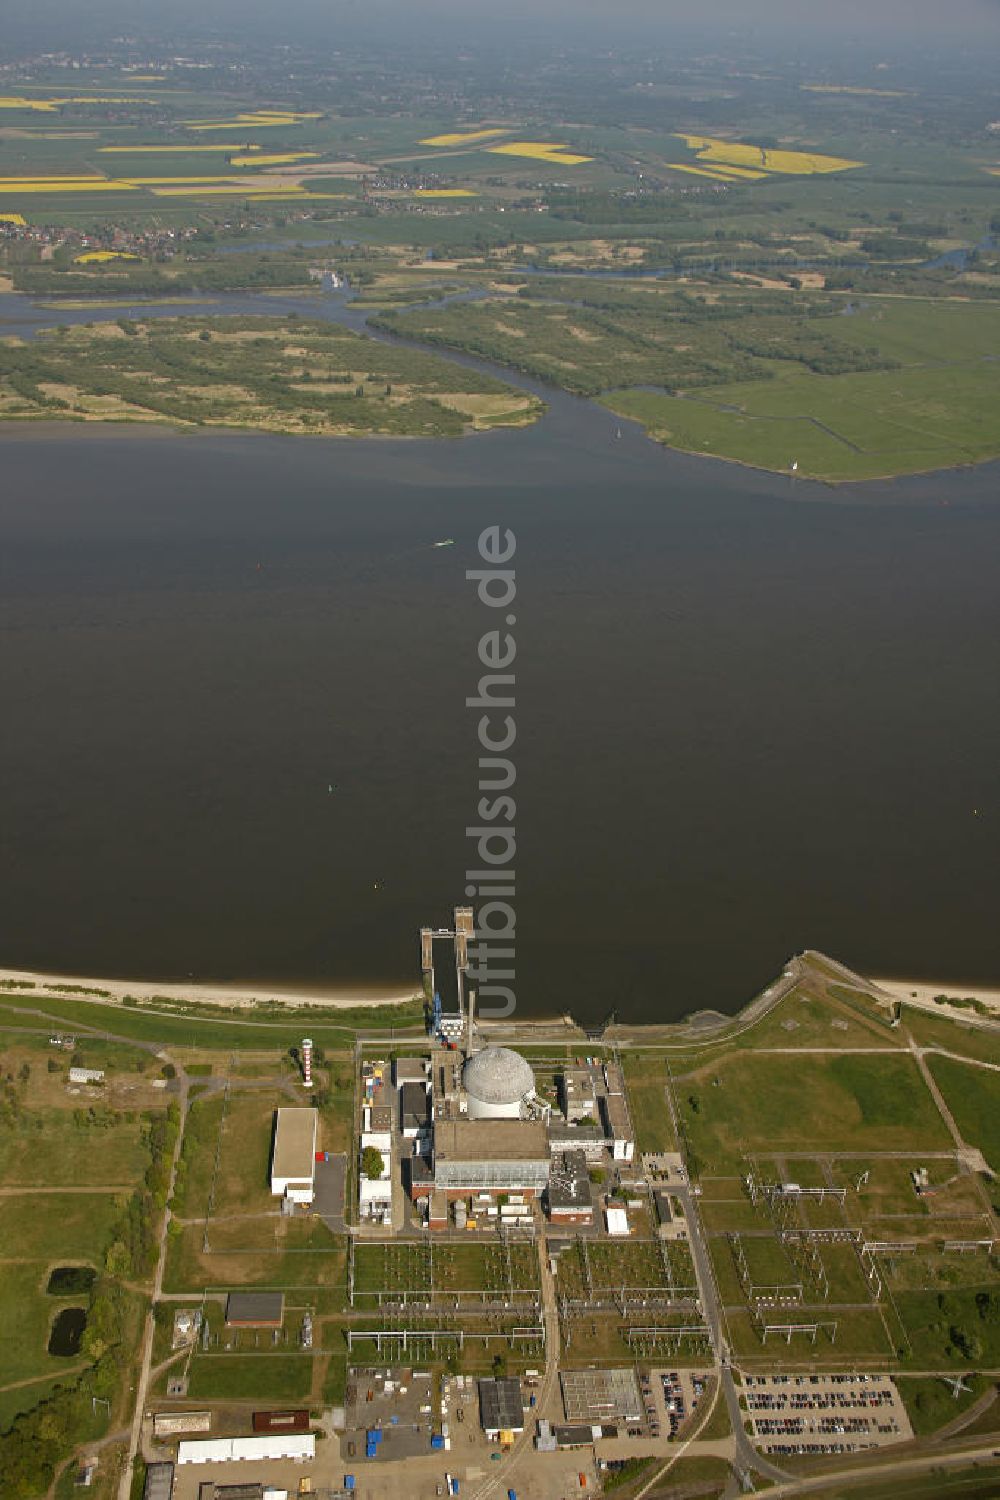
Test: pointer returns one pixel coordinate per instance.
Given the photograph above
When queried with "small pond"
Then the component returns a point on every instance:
(71, 1281)
(67, 1331)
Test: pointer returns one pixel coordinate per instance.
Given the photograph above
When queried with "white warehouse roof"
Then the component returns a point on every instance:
(497, 1075)
(300, 1446)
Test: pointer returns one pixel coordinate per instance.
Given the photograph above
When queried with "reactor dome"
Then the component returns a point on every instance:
(497, 1081)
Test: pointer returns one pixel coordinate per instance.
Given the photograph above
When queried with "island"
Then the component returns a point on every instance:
(269, 374)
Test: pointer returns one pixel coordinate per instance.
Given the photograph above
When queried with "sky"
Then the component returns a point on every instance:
(53, 22)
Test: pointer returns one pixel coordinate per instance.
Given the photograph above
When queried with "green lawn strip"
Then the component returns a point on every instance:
(973, 1096)
(645, 1079)
(973, 1483)
(952, 1035)
(189, 1030)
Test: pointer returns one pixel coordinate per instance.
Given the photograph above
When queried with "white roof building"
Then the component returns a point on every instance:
(293, 1159)
(300, 1447)
(617, 1220)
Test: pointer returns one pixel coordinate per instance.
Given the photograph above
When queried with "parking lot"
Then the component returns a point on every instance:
(825, 1413)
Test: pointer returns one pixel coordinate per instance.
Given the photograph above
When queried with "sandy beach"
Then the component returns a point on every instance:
(925, 992)
(238, 996)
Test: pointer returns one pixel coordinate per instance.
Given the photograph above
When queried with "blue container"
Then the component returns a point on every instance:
(348, 1481)
(437, 1441)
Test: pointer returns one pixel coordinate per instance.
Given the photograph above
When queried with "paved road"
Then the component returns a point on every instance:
(145, 1368)
(501, 1478)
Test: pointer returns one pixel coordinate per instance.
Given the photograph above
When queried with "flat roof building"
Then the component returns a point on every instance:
(299, 1447)
(159, 1483)
(293, 1155)
(619, 1127)
(501, 1407)
(601, 1395)
(491, 1155)
(255, 1309)
(570, 1200)
(414, 1109)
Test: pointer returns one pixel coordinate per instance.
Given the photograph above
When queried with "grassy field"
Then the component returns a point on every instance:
(952, 1329)
(929, 1030)
(74, 1226)
(264, 1377)
(769, 379)
(768, 1103)
(299, 1253)
(189, 1030)
(973, 1096)
(53, 1150)
(645, 1080)
(931, 1404)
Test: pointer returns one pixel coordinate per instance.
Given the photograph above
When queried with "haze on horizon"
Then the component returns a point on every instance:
(54, 24)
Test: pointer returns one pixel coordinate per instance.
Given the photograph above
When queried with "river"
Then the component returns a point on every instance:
(753, 714)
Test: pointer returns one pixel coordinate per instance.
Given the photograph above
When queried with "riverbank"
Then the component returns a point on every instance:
(25, 982)
(927, 994)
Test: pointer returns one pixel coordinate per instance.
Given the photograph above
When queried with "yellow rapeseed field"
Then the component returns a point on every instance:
(717, 174)
(445, 193)
(280, 159)
(48, 106)
(63, 185)
(98, 257)
(17, 219)
(216, 148)
(540, 151)
(793, 163)
(257, 119)
(460, 138)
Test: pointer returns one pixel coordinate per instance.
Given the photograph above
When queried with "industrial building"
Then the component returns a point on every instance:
(159, 1483)
(299, 1447)
(601, 1396)
(255, 1309)
(501, 1409)
(86, 1075)
(293, 1155)
(494, 1156)
(569, 1198)
(576, 1091)
(499, 1085)
(169, 1424)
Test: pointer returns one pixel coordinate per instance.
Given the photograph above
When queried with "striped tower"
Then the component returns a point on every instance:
(307, 1062)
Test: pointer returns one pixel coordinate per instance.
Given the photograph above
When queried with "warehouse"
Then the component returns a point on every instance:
(293, 1156)
(300, 1447)
(501, 1408)
(494, 1156)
